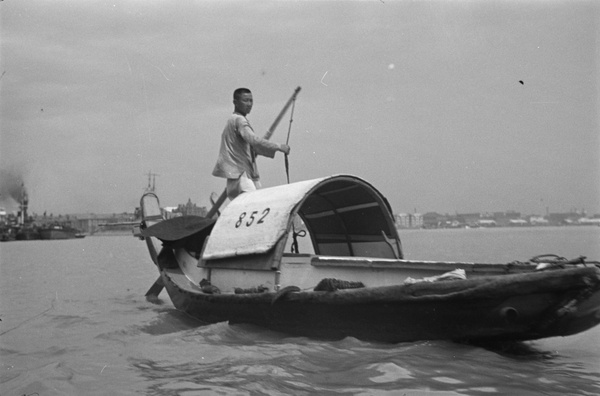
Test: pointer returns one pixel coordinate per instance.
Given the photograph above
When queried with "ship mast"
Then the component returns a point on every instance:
(151, 182)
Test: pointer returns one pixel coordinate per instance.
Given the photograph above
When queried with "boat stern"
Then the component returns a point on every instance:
(579, 313)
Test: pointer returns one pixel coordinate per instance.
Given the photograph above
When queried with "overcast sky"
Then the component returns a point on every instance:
(455, 106)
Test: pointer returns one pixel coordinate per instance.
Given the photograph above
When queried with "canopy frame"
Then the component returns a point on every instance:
(343, 214)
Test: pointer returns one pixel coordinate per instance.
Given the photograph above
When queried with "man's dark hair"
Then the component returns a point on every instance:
(238, 92)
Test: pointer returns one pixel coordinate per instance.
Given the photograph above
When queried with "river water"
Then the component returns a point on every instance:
(74, 321)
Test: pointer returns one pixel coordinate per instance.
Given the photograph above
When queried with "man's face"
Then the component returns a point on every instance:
(243, 104)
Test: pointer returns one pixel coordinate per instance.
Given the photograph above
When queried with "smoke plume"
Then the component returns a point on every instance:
(11, 186)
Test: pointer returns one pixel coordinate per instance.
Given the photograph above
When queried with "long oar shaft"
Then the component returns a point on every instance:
(281, 114)
(217, 205)
(287, 141)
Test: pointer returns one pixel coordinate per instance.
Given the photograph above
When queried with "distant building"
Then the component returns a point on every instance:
(504, 219)
(91, 223)
(517, 222)
(470, 219)
(509, 218)
(409, 220)
(588, 221)
(563, 218)
(487, 223)
(433, 220)
(170, 211)
(538, 221)
(416, 220)
(190, 209)
(402, 220)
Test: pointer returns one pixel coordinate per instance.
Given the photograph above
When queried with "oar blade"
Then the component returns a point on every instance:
(155, 289)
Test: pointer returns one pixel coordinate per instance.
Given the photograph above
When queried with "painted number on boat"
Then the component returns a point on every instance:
(253, 216)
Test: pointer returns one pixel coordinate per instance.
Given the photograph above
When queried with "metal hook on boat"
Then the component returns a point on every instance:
(295, 235)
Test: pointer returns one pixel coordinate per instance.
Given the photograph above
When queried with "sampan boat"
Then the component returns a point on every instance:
(352, 279)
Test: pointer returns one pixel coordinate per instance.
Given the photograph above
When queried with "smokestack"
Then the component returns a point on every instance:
(24, 202)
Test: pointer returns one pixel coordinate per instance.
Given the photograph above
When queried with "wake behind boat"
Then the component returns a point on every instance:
(352, 279)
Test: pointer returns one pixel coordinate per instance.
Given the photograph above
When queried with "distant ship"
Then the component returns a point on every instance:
(24, 229)
(27, 233)
(58, 231)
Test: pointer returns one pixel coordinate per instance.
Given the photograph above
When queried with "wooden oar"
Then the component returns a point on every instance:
(158, 284)
(155, 289)
(213, 201)
(217, 205)
(281, 114)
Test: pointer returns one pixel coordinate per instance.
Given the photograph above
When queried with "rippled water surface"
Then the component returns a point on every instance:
(74, 321)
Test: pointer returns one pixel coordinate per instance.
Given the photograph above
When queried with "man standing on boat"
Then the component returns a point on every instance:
(240, 146)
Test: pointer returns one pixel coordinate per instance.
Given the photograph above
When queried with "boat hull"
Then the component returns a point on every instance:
(350, 278)
(510, 307)
(27, 235)
(58, 234)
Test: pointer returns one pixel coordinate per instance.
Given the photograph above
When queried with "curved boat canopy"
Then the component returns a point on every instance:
(344, 216)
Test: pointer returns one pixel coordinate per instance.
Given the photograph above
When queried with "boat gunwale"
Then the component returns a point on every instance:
(401, 264)
(488, 287)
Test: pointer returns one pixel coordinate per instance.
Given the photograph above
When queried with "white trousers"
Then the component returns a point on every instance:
(241, 185)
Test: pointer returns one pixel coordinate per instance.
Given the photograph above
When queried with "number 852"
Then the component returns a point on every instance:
(253, 216)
